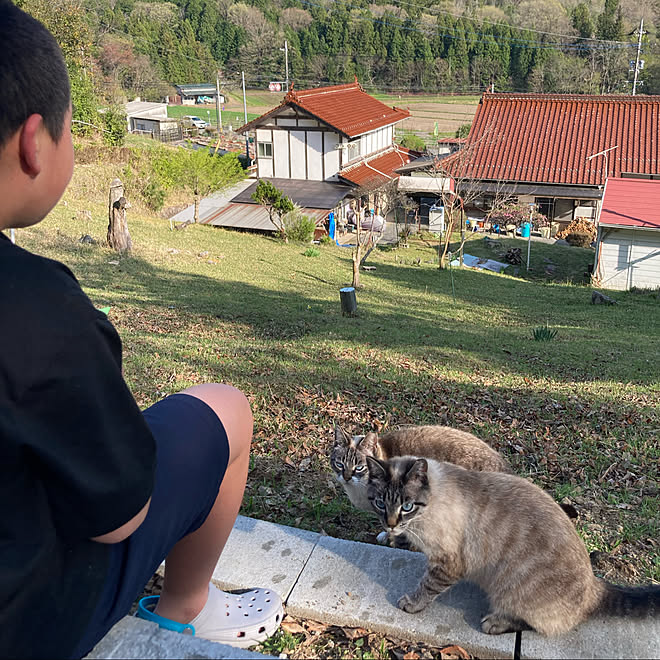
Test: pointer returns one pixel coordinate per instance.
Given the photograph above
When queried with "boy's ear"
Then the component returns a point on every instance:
(28, 145)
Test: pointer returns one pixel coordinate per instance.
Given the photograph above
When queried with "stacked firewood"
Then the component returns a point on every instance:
(578, 226)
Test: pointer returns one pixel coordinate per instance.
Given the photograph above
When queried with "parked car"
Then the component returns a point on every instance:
(197, 122)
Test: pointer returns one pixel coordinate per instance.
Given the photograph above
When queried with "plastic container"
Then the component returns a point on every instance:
(525, 231)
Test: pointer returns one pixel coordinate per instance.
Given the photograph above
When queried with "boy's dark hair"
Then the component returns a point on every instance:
(33, 75)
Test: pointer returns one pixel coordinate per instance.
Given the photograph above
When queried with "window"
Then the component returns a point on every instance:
(352, 150)
(546, 205)
(265, 149)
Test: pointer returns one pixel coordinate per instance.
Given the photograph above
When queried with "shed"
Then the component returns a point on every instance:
(199, 93)
(144, 109)
(628, 240)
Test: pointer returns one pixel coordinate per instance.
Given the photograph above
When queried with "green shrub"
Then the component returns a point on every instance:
(114, 122)
(543, 333)
(414, 142)
(154, 196)
(579, 239)
(463, 130)
(311, 252)
(326, 240)
(298, 227)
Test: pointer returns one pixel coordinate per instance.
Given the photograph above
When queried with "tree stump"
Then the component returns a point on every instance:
(348, 301)
(118, 237)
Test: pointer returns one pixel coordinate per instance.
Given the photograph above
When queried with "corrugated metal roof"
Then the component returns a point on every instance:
(200, 88)
(305, 193)
(134, 107)
(631, 203)
(547, 138)
(346, 108)
(377, 170)
(251, 216)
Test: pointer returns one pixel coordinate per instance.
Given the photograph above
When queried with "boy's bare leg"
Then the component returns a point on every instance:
(190, 564)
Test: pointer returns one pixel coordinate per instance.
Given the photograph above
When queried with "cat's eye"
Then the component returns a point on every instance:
(339, 464)
(379, 503)
(407, 507)
(360, 468)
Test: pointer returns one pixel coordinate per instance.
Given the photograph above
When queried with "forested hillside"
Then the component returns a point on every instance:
(132, 48)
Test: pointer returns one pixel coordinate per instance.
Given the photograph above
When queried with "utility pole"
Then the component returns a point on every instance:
(247, 140)
(639, 52)
(529, 238)
(286, 62)
(218, 112)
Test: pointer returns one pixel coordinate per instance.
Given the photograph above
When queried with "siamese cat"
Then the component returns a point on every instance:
(441, 443)
(502, 533)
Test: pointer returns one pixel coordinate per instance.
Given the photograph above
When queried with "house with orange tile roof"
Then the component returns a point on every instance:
(327, 143)
(557, 150)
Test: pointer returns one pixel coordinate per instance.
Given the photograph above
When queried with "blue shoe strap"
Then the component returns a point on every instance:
(144, 612)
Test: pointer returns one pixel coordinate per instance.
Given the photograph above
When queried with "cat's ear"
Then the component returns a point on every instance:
(369, 443)
(418, 472)
(376, 468)
(341, 437)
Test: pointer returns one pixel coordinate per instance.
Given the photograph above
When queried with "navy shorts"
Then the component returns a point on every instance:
(192, 453)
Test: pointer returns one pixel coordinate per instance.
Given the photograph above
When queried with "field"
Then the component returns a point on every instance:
(578, 415)
(234, 117)
(449, 112)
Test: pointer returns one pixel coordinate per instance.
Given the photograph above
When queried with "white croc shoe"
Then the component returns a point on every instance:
(240, 620)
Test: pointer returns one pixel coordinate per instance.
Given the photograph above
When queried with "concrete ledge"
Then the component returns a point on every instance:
(262, 554)
(356, 584)
(611, 637)
(134, 638)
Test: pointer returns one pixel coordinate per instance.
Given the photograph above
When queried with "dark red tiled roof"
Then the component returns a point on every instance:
(631, 203)
(378, 170)
(347, 108)
(547, 138)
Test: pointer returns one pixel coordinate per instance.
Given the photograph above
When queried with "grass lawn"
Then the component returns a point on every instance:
(578, 415)
(208, 113)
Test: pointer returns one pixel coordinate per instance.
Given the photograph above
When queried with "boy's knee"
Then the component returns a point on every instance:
(232, 408)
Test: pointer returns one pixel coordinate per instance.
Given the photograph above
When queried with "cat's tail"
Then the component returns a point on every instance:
(637, 602)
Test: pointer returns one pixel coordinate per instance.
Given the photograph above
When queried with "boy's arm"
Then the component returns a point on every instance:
(121, 533)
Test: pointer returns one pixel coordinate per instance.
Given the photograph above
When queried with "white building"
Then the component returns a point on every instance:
(628, 241)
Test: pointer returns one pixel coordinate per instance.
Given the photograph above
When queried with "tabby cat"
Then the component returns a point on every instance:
(442, 443)
(502, 533)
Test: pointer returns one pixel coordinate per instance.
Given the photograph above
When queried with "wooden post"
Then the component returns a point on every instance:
(348, 301)
(118, 237)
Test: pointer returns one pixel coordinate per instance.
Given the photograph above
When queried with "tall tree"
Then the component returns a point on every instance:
(610, 22)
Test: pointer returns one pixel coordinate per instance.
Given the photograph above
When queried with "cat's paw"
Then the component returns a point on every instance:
(383, 538)
(496, 624)
(407, 604)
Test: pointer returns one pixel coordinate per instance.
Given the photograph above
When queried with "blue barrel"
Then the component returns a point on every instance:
(525, 231)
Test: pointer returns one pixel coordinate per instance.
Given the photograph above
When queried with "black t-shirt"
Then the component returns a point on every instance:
(77, 457)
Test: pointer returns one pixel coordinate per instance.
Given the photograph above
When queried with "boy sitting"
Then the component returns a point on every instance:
(96, 493)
